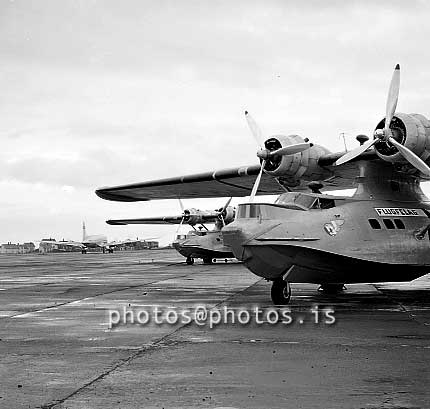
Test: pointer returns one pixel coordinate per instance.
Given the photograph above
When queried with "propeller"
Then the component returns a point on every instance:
(223, 209)
(181, 204)
(266, 154)
(393, 96)
(257, 182)
(413, 159)
(356, 152)
(182, 219)
(255, 129)
(386, 134)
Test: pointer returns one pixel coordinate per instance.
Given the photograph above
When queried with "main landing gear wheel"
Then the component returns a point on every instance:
(110, 250)
(280, 292)
(330, 288)
(84, 251)
(190, 261)
(207, 260)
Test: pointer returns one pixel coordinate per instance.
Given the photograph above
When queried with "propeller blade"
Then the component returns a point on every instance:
(181, 204)
(257, 183)
(255, 129)
(393, 96)
(413, 159)
(355, 152)
(291, 149)
(225, 206)
(177, 230)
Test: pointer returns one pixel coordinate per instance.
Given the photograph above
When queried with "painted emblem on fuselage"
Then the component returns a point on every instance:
(398, 211)
(333, 227)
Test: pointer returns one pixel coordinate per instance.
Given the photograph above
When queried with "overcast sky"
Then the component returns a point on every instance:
(96, 93)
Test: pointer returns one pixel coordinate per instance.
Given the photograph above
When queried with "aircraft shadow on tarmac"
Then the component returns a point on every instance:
(358, 295)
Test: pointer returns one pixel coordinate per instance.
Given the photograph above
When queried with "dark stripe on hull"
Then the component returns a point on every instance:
(317, 266)
(201, 253)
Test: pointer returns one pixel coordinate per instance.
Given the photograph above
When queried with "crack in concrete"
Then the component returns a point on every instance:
(89, 297)
(140, 352)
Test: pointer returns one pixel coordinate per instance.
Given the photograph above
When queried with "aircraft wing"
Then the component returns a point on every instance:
(147, 220)
(202, 218)
(236, 182)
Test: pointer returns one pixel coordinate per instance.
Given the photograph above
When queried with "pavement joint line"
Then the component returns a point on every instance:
(401, 306)
(140, 352)
(92, 296)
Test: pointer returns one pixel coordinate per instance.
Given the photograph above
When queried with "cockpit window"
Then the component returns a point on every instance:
(301, 201)
(322, 203)
(295, 200)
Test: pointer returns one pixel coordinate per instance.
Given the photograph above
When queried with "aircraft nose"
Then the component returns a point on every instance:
(233, 237)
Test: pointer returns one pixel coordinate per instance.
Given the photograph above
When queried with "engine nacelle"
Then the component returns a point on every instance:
(412, 131)
(294, 167)
(192, 216)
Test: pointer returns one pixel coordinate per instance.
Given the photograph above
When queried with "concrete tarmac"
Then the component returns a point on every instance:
(57, 350)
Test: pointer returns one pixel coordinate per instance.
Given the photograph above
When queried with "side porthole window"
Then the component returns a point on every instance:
(399, 223)
(388, 224)
(374, 224)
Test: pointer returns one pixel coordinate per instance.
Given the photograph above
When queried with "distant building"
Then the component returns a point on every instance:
(152, 244)
(137, 245)
(52, 246)
(12, 248)
(144, 245)
(47, 245)
(29, 247)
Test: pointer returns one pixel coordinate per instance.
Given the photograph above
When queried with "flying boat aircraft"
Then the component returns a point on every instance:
(379, 234)
(197, 243)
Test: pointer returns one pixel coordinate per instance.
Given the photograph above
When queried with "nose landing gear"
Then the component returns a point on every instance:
(280, 292)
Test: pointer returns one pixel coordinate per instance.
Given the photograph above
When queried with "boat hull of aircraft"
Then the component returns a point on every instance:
(354, 241)
(206, 245)
(299, 264)
(195, 252)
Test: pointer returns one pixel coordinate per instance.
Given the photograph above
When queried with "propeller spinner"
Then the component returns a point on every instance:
(266, 154)
(386, 134)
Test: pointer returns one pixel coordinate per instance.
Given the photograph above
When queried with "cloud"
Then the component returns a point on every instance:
(99, 93)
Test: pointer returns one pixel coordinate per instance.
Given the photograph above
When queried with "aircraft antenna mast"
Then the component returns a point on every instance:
(342, 135)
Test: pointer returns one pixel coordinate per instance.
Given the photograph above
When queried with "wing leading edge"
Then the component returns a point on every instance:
(146, 220)
(236, 182)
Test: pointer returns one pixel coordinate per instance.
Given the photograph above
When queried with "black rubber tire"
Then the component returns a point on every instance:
(207, 260)
(190, 261)
(280, 292)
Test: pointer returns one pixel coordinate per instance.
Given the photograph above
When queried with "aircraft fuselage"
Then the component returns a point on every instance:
(95, 241)
(379, 234)
(205, 244)
(332, 245)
